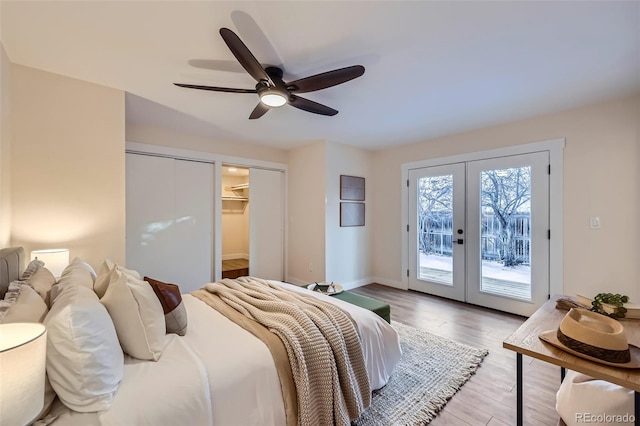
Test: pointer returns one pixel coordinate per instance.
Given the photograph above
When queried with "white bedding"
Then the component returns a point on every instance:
(243, 385)
(172, 391)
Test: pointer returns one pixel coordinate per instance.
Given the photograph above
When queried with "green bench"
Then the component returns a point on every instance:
(381, 308)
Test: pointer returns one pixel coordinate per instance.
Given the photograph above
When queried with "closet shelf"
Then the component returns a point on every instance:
(237, 187)
(235, 199)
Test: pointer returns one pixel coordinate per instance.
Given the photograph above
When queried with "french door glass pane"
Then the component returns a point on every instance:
(435, 223)
(505, 223)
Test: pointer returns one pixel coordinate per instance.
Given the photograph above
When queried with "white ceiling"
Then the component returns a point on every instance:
(432, 68)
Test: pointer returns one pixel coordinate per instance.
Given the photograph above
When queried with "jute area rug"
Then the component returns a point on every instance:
(431, 371)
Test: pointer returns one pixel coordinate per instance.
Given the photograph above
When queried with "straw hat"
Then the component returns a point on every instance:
(594, 337)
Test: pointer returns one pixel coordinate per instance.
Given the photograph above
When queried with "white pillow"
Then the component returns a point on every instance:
(102, 280)
(137, 315)
(77, 272)
(84, 360)
(42, 280)
(79, 262)
(27, 307)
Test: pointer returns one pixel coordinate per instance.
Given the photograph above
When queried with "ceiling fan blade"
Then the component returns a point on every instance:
(326, 79)
(244, 56)
(310, 106)
(216, 89)
(260, 110)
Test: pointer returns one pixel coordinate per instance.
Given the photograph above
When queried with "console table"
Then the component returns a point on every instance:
(525, 341)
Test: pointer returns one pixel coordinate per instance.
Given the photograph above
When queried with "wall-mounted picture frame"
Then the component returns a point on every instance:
(351, 188)
(351, 214)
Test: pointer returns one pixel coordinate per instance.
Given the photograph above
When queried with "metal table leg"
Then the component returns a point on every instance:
(519, 389)
(636, 410)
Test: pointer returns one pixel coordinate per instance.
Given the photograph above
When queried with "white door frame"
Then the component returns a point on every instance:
(555, 148)
(218, 160)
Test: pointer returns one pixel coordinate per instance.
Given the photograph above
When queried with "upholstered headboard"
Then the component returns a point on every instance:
(11, 266)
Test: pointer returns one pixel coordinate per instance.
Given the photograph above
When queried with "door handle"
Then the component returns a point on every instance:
(458, 241)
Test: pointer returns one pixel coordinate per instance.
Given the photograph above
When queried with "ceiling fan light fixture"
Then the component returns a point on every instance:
(273, 98)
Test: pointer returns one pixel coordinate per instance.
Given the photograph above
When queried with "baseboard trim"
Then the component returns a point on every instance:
(390, 283)
(354, 284)
(296, 281)
(235, 256)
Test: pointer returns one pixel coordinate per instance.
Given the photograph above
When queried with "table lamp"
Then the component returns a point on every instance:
(23, 348)
(54, 260)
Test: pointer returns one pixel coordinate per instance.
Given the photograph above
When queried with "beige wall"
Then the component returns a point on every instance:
(67, 182)
(306, 195)
(316, 240)
(235, 221)
(601, 178)
(5, 150)
(348, 249)
(164, 137)
(68, 165)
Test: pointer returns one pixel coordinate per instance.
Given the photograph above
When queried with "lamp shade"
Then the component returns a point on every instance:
(54, 260)
(23, 348)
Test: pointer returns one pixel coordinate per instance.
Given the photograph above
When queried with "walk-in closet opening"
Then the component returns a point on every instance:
(235, 221)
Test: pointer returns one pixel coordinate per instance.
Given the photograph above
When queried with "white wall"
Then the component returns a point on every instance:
(235, 221)
(306, 199)
(5, 149)
(601, 178)
(348, 249)
(67, 165)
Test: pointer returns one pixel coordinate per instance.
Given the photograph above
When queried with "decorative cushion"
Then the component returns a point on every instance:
(581, 395)
(78, 272)
(13, 291)
(175, 313)
(31, 268)
(28, 306)
(137, 315)
(102, 280)
(84, 360)
(42, 280)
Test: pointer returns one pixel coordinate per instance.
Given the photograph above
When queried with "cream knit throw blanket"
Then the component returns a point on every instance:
(322, 343)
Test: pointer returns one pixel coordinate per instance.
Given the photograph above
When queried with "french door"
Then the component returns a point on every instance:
(479, 231)
(437, 223)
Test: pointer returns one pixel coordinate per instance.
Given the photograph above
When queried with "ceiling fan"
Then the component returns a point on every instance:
(272, 90)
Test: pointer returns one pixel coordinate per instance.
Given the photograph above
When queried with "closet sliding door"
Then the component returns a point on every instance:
(170, 219)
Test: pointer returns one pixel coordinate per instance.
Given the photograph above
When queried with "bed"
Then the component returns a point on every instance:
(217, 373)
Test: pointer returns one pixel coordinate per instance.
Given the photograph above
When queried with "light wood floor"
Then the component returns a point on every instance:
(489, 397)
(231, 264)
(234, 268)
